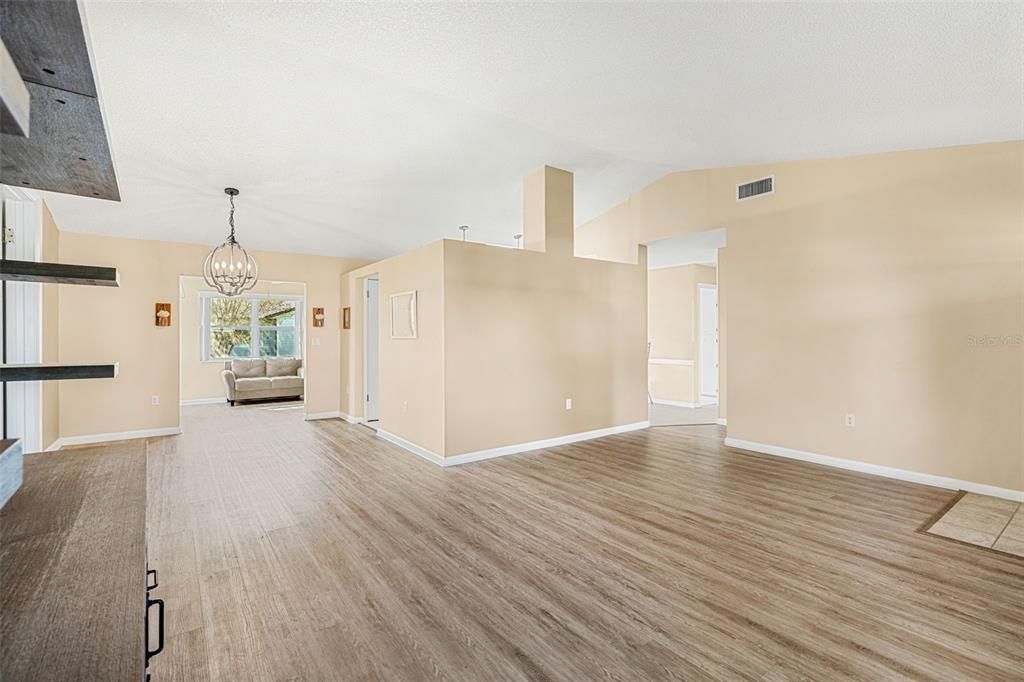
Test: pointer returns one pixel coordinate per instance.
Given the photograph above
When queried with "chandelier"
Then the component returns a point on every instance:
(229, 268)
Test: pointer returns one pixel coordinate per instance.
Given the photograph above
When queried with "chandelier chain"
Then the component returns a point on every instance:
(231, 219)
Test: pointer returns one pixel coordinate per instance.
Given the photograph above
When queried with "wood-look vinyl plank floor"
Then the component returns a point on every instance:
(292, 550)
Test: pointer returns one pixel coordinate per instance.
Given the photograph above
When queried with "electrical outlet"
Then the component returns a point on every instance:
(851, 420)
(155, 400)
(405, 406)
(316, 340)
(568, 403)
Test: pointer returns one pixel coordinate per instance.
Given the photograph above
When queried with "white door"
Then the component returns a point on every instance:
(371, 360)
(708, 341)
(24, 321)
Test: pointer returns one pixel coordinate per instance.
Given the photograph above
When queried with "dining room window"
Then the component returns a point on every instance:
(251, 327)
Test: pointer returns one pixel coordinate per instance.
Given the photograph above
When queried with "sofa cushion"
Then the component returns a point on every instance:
(253, 384)
(286, 382)
(244, 368)
(283, 367)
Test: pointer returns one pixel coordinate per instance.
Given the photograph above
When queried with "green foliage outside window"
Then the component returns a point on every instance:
(231, 327)
(230, 343)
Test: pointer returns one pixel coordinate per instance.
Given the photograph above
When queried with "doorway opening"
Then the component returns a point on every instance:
(371, 351)
(243, 351)
(683, 329)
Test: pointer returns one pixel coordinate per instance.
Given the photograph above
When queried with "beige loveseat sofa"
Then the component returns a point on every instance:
(252, 379)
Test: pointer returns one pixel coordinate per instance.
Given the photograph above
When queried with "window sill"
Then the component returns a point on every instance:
(221, 361)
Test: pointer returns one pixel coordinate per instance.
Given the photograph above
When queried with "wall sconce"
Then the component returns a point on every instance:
(163, 314)
(318, 317)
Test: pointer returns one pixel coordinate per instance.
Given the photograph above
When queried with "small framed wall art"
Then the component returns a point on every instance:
(163, 314)
(403, 315)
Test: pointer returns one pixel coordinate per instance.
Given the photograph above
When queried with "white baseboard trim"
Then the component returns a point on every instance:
(204, 401)
(545, 443)
(350, 419)
(878, 470)
(670, 361)
(479, 455)
(110, 437)
(313, 416)
(720, 421)
(674, 403)
(705, 400)
(426, 454)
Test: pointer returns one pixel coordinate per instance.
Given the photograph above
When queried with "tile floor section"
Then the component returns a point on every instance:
(672, 415)
(985, 521)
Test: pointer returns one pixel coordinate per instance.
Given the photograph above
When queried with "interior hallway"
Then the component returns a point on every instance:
(314, 550)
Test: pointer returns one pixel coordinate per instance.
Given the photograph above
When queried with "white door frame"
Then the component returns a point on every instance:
(24, 324)
(366, 345)
(701, 396)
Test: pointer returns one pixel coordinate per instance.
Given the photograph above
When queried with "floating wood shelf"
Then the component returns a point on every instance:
(58, 273)
(60, 371)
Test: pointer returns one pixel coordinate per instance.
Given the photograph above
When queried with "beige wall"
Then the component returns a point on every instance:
(117, 324)
(676, 204)
(526, 330)
(201, 379)
(672, 326)
(857, 288)
(505, 336)
(411, 381)
(51, 332)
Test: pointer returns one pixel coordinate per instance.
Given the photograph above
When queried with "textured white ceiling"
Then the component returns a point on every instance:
(367, 129)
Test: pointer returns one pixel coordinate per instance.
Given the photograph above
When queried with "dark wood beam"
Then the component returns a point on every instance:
(48, 43)
(58, 273)
(57, 371)
(67, 149)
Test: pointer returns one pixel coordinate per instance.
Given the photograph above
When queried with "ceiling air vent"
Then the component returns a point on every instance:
(755, 188)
